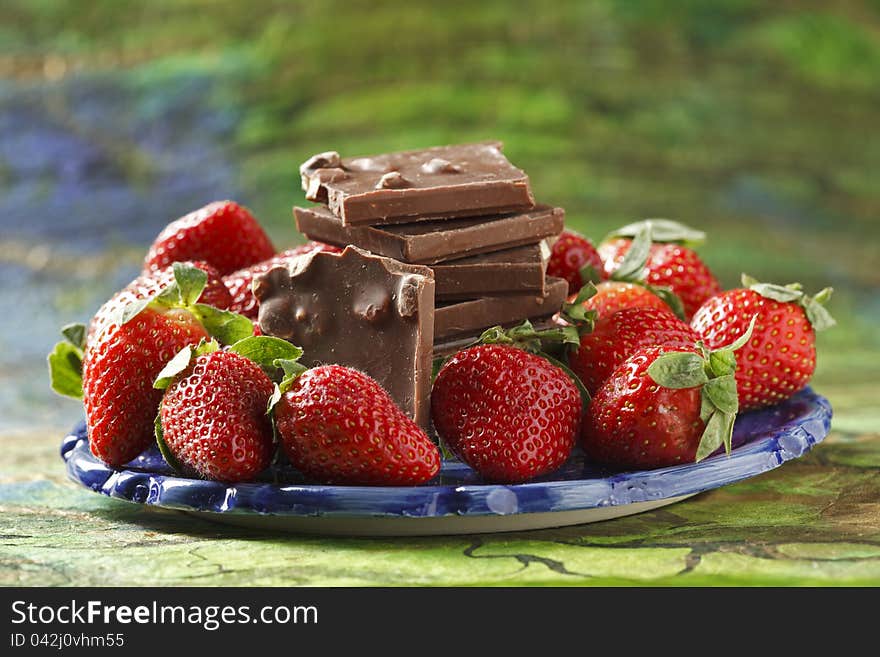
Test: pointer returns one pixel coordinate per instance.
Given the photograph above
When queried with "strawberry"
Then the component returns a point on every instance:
(780, 358)
(114, 373)
(118, 375)
(663, 407)
(574, 258)
(239, 283)
(509, 414)
(215, 294)
(670, 263)
(613, 296)
(222, 233)
(617, 336)
(213, 419)
(337, 425)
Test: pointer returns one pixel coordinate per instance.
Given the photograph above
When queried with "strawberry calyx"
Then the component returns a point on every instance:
(633, 267)
(541, 341)
(814, 306)
(66, 362)
(662, 230)
(713, 371)
(182, 294)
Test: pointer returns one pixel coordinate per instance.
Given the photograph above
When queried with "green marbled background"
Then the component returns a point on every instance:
(755, 121)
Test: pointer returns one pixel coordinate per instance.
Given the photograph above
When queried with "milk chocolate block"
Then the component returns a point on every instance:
(467, 317)
(445, 181)
(428, 242)
(360, 310)
(511, 271)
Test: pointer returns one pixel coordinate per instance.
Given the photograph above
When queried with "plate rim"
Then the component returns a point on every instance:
(782, 443)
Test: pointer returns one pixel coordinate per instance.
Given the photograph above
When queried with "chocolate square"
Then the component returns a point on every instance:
(360, 310)
(440, 182)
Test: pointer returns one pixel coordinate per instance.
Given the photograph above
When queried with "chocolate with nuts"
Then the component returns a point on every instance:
(441, 182)
(359, 310)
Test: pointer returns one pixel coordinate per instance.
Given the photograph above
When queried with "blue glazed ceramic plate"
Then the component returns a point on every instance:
(456, 501)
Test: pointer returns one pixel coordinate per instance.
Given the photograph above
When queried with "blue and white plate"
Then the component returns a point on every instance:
(456, 501)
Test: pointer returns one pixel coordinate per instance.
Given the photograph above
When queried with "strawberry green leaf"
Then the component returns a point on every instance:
(273, 400)
(713, 436)
(741, 341)
(586, 292)
(65, 370)
(823, 296)
(169, 457)
(228, 327)
(496, 335)
(292, 369)
(722, 362)
(664, 230)
(678, 370)
(777, 292)
(264, 350)
(818, 315)
(671, 298)
(632, 267)
(589, 274)
(748, 281)
(174, 367)
(706, 408)
(75, 334)
(132, 310)
(170, 296)
(721, 391)
(190, 280)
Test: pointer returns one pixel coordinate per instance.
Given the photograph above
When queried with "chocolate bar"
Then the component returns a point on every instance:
(511, 271)
(360, 310)
(467, 317)
(441, 182)
(430, 242)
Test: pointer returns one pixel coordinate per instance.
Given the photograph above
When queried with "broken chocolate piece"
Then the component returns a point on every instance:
(434, 241)
(511, 271)
(468, 317)
(441, 182)
(359, 310)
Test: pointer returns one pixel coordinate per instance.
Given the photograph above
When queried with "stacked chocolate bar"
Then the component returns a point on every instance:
(464, 211)
(440, 244)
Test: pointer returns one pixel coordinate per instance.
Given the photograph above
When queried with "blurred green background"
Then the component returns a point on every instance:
(755, 121)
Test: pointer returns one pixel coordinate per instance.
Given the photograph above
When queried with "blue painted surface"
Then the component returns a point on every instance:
(763, 440)
(92, 168)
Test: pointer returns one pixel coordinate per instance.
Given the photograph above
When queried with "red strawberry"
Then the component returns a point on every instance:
(239, 282)
(613, 296)
(509, 414)
(215, 294)
(780, 357)
(617, 336)
(118, 374)
(214, 419)
(663, 407)
(575, 259)
(669, 265)
(337, 425)
(223, 233)
(115, 374)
